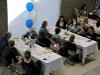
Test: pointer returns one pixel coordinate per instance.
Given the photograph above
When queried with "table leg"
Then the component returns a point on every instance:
(60, 70)
(84, 55)
(46, 73)
(83, 60)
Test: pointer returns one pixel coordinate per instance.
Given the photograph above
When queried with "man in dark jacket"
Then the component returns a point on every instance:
(44, 36)
(4, 42)
(10, 53)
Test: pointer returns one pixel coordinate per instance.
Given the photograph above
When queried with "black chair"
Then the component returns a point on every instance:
(40, 67)
(4, 66)
(72, 56)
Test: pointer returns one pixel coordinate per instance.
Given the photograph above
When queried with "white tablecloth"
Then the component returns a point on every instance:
(86, 45)
(50, 60)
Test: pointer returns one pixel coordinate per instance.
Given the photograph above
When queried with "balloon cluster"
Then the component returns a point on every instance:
(29, 22)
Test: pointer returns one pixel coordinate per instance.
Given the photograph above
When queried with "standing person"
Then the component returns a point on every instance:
(61, 22)
(44, 36)
(4, 42)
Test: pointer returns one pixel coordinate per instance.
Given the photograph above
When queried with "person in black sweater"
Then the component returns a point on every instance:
(10, 53)
(29, 65)
(61, 22)
(68, 45)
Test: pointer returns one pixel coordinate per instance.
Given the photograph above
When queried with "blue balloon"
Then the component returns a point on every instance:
(29, 23)
(29, 6)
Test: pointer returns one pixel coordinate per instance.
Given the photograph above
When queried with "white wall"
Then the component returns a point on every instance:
(16, 16)
(15, 8)
(48, 10)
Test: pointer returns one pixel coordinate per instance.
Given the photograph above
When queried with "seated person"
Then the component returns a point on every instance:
(44, 36)
(28, 64)
(76, 28)
(70, 45)
(86, 22)
(82, 19)
(98, 24)
(4, 42)
(10, 53)
(72, 25)
(57, 36)
(97, 32)
(90, 33)
(61, 22)
(97, 28)
(55, 45)
(97, 11)
(70, 49)
(30, 34)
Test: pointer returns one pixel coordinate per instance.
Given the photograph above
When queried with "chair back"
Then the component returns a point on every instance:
(71, 53)
(3, 62)
(40, 67)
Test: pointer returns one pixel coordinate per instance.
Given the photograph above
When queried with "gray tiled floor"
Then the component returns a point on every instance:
(91, 68)
(92, 73)
(95, 71)
(9, 72)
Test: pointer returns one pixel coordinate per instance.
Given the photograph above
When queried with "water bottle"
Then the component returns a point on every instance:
(30, 45)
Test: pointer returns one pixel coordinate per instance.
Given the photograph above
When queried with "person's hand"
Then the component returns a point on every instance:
(89, 37)
(19, 57)
(26, 43)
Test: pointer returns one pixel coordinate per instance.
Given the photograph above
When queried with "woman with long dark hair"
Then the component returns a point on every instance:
(61, 22)
(83, 10)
